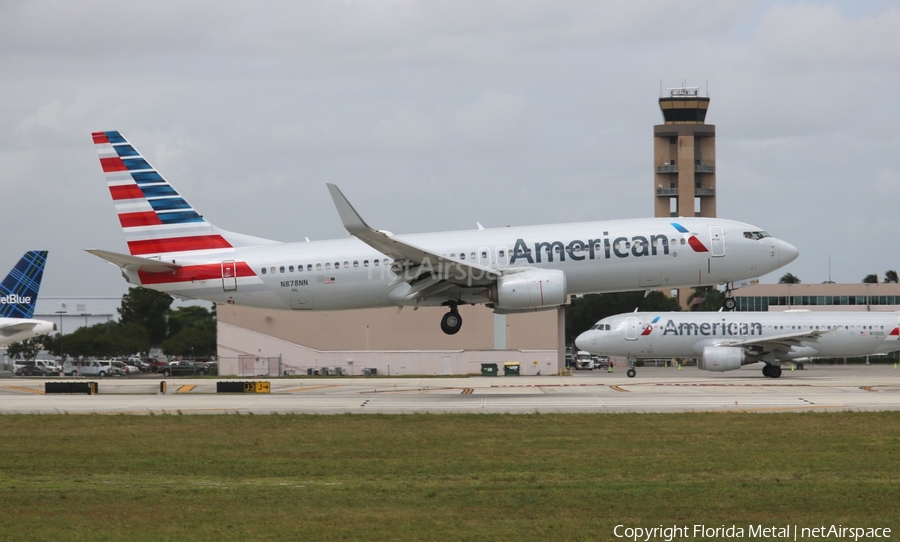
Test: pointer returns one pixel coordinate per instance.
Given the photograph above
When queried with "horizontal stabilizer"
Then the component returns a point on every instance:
(134, 262)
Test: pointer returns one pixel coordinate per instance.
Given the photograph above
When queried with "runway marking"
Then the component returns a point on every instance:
(724, 384)
(467, 391)
(186, 388)
(617, 388)
(308, 388)
(868, 388)
(546, 385)
(29, 390)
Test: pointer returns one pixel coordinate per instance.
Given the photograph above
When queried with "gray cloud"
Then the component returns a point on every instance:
(432, 115)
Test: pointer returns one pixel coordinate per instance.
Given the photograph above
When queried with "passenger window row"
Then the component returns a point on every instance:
(319, 266)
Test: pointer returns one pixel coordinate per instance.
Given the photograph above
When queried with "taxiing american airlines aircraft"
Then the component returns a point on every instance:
(173, 248)
(18, 295)
(724, 341)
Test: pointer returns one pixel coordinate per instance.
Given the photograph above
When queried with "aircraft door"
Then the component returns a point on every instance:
(630, 328)
(717, 240)
(229, 276)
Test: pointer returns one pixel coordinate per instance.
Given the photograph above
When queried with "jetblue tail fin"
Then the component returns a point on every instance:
(19, 290)
(155, 218)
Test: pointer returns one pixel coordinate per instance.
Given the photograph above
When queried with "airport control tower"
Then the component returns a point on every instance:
(684, 159)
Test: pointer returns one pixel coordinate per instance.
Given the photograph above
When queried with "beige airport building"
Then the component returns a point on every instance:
(254, 341)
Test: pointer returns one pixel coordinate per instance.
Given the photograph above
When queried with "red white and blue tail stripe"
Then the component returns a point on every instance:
(156, 220)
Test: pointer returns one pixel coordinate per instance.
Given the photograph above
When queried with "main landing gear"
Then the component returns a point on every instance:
(451, 322)
(772, 371)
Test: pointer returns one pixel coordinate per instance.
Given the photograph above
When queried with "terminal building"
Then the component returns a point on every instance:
(882, 297)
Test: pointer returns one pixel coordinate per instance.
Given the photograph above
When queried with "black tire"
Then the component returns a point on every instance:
(101, 374)
(730, 303)
(775, 371)
(766, 370)
(166, 372)
(43, 374)
(631, 373)
(451, 323)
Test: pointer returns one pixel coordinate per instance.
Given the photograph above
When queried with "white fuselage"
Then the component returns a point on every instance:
(686, 334)
(604, 256)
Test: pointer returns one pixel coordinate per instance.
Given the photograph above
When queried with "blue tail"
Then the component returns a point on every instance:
(19, 290)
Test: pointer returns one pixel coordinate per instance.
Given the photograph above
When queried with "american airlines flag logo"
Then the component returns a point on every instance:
(649, 327)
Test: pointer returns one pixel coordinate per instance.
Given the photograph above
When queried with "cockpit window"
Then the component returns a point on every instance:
(596, 326)
(756, 235)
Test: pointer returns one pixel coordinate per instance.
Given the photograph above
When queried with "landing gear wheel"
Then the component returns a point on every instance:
(451, 322)
(730, 303)
(775, 371)
(766, 370)
(631, 373)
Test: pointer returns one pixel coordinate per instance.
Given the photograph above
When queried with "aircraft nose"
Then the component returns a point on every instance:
(581, 341)
(786, 252)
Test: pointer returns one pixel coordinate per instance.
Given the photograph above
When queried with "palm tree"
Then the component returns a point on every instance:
(789, 278)
(891, 276)
(871, 279)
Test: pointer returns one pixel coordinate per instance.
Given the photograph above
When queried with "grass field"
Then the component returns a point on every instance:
(440, 477)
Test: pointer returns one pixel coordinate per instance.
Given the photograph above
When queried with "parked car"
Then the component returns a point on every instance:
(135, 361)
(184, 368)
(38, 367)
(602, 362)
(124, 368)
(156, 365)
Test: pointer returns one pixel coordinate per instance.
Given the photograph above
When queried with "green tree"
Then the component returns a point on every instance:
(587, 309)
(710, 299)
(149, 309)
(192, 332)
(891, 276)
(870, 279)
(789, 278)
(27, 349)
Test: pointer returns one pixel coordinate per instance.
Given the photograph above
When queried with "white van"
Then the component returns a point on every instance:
(92, 367)
(583, 360)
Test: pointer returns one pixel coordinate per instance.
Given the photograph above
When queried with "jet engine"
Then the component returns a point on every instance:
(532, 289)
(723, 358)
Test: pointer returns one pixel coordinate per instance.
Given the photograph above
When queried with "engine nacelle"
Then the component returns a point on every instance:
(532, 289)
(722, 358)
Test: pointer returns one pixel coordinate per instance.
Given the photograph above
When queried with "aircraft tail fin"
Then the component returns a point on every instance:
(156, 220)
(19, 290)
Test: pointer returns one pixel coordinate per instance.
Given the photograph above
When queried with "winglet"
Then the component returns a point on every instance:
(353, 223)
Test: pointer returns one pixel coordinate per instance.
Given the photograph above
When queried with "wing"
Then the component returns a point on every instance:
(427, 273)
(776, 343)
(12, 329)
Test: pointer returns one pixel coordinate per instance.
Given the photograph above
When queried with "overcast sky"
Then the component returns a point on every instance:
(433, 115)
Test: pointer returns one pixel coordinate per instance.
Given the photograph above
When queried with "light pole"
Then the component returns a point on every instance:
(61, 353)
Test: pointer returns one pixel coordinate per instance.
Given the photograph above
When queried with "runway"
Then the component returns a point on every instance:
(817, 388)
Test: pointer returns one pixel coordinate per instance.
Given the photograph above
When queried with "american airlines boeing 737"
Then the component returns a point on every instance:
(18, 296)
(173, 248)
(724, 341)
